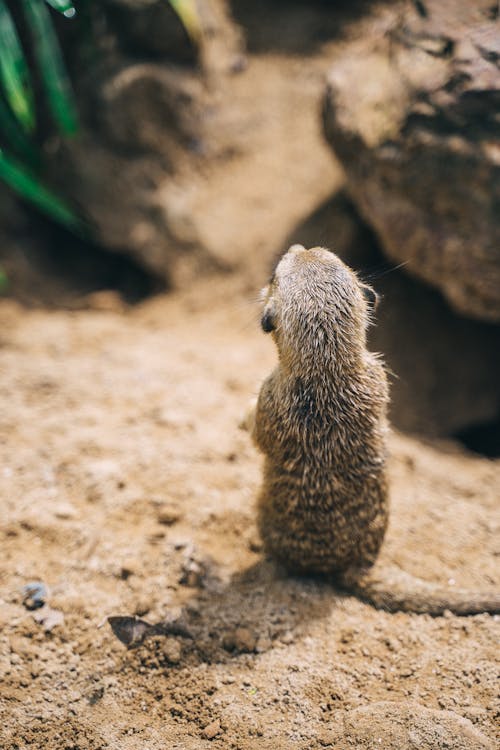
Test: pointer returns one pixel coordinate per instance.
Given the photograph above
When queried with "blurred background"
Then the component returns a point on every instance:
(146, 143)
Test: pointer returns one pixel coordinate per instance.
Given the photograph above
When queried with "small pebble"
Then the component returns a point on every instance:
(172, 650)
(241, 640)
(168, 515)
(142, 607)
(35, 595)
(211, 730)
(65, 511)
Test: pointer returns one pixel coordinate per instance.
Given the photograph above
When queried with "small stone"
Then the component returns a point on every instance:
(264, 643)
(35, 595)
(65, 511)
(172, 650)
(327, 738)
(406, 672)
(142, 607)
(129, 568)
(347, 635)
(391, 644)
(241, 640)
(193, 573)
(211, 730)
(287, 637)
(168, 515)
(95, 695)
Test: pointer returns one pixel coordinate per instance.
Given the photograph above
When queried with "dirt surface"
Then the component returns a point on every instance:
(128, 489)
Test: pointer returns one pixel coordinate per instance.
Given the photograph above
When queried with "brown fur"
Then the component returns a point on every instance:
(321, 422)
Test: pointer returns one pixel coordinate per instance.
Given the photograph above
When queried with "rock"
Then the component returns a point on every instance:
(143, 605)
(211, 730)
(201, 170)
(35, 595)
(194, 570)
(405, 726)
(168, 514)
(242, 640)
(132, 174)
(172, 650)
(65, 511)
(419, 142)
(131, 631)
(421, 339)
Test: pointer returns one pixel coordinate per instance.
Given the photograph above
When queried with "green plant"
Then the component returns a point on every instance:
(37, 56)
(20, 156)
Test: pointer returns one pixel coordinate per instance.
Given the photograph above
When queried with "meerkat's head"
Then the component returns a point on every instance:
(314, 300)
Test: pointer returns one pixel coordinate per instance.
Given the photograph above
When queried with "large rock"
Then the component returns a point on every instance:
(412, 112)
(191, 165)
(151, 117)
(444, 368)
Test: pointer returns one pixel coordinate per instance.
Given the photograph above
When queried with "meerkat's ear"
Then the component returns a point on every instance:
(268, 320)
(370, 296)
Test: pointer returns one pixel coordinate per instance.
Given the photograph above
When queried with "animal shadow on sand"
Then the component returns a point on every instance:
(257, 609)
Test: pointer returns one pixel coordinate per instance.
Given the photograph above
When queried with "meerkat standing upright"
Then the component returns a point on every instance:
(321, 422)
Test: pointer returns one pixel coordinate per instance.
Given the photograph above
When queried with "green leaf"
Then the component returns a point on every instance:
(63, 6)
(14, 72)
(28, 186)
(4, 281)
(15, 138)
(187, 12)
(53, 71)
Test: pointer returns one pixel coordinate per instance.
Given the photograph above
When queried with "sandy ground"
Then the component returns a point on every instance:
(127, 488)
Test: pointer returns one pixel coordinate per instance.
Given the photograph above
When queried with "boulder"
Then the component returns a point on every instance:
(150, 119)
(192, 165)
(411, 111)
(444, 368)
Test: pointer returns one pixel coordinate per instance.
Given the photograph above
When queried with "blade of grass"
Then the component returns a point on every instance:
(187, 12)
(4, 281)
(28, 186)
(63, 6)
(52, 67)
(14, 137)
(14, 72)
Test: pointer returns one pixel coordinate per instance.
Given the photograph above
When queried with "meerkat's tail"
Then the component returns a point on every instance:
(390, 588)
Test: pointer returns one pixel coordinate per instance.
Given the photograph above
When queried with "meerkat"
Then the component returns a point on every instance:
(321, 422)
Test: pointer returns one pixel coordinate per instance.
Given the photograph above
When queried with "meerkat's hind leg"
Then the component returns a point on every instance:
(392, 589)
